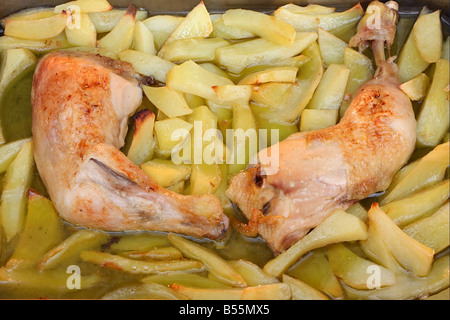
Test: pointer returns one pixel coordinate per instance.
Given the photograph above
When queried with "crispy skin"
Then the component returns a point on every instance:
(80, 107)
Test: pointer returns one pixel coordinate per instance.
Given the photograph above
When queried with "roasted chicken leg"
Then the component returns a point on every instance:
(80, 107)
(332, 168)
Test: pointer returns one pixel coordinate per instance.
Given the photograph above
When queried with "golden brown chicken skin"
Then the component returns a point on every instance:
(80, 108)
(332, 168)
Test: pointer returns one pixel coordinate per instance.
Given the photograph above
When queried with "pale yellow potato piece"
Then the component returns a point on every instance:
(316, 119)
(14, 197)
(165, 173)
(85, 35)
(331, 89)
(433, 118)
(259, 51)
(310, 8)
(142, 146)
(418, 204)
(189, 77)
(252, 274)
(162, 27)
(274, 74)
(205, 179)
(355, 271)
(143, 39)
(427, 170)
(197, 49)
(9, 151)
(36, 29)
(331, 47)
(152, 291)
(105, 21)
(428, 36)
(338, 227)
(220, 29)
(260, 24)
(417, 87)
(446, 49)
(410, 253)
(171, 102)
(120, 38)
(147, 64)
(36, 46)
(171, 133)
(229, 94)
(326, 21)
(302, 291)
(275, 291)
(432, 231)
(139, 242)
(85, 6)
(269, 93)
(29, 14)
(212, 262)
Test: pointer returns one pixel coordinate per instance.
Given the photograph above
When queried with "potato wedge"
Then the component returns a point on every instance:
(358, 210)
(338, 227)
(138, 266)
(197, 49)
(326, 21)
(410, 253)
(230, 94)
(213, 263)
(42, 231)
(274, 74)
(302, 291)
(120, 37)
(171, 134)
(331, 89)
(220, 29)
(14, 198)
(164, 253)
(433, 118)
(432, 231)
(9, 151)
(316, 119)
(85, 35)
(171, 102)
(357, 272)
(315, 270)
(424, 172)
(140, 242)
(252, 274)
(259, 51)
(143, 39)
(275, 291)
(204, 179)
(142, 146)
(29, 14)
(147, 64)
(85, 6)
(162, 26)
(184, 279)
(165, 173)
(35, 46)
(428, 36)
(309, 9)
(36, 29)
(418, 204)
(417, 87)
(331, 47)
(260, 24)
(151, 291)
(105, 21)
(68, 250)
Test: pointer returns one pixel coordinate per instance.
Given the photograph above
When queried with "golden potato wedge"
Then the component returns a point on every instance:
(358, 210)
(14, 199)
(417, 87)
(274, 74)
(164, 253)
(315, 119)
(205, 179)
(302, 291)
(331, 47)
(280, 130)
(446, 49)
(406, 210)
(143, 39)
(252, 274)
(120, 37)
(171, 133)
(433, 118)
(338, 227)
(432, 231)
(171, 102)
(260, 24)
(29, 14)
(142, 146)
(275, 291)
(184, 279)
(85, 6)
(331, 89)
(220, 29)
(410, 253)
(85, 35)
(428, 36)
(105, 21)
(357, 272)
(147, 64)
(36, 29)
(422, 173)
(270, 93)
(197, 49)
(165, 173)
(315, 270)
(310, 8)
(213, 263)
(326, 21)
(259, 51)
